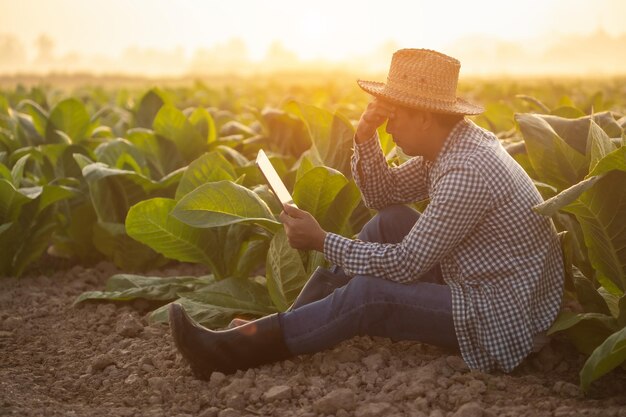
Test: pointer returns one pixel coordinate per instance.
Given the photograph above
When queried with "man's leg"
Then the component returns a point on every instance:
(421, 311)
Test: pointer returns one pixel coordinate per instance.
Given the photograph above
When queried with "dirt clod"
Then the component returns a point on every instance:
(342, 398)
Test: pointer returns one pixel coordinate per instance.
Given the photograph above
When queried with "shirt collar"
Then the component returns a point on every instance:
(453, 137)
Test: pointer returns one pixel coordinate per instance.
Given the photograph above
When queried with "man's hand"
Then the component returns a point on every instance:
(303, 231)
(375, 114)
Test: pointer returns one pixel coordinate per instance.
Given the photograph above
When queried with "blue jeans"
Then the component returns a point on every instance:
(367, 305)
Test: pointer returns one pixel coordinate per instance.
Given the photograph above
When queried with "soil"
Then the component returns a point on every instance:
(104, 359)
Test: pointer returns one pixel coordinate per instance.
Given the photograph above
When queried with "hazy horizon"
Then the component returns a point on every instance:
(157, 38)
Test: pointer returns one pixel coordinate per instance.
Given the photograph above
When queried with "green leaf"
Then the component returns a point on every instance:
(70, 117)
(11, 201)
(600, 144)
(575, 132)
(601, 212)
(604, 358)
(161, 155)
(339, 213)
(586, 331)
(331, 134)
(126, 287)
(17, 172)
(113, 191)
(210, 167)
(122, 154)
(223, 203)
(34, 241)
(551, 157)
(172, 124)
(243, 295)
(150, 222)
(615, 160)
(316, 190)
(565, 197)
(37, 113)
(285, 272)
(74, 238)
(126, 253)
(204, 124)
(588, 296)
(149, 106)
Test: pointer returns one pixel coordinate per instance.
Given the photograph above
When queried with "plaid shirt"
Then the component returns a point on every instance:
(501, 260)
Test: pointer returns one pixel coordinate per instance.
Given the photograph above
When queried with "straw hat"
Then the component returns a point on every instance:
(423, 79)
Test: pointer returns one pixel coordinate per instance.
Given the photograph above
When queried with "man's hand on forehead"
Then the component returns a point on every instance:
(375, 114)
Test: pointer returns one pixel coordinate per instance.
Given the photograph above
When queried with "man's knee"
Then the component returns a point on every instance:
(360, 288)
(390, 224)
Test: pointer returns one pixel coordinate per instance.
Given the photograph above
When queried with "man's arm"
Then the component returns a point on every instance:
(459, 203)
(380, 184)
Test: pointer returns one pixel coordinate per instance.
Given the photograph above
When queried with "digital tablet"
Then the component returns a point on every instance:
(272, 178)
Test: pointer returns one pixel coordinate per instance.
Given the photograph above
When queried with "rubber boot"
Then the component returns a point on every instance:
(255, 343)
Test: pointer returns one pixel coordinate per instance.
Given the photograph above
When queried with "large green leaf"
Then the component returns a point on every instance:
(204, 124)
(113, 191)
(126, 253)
(615, 160)
(604, 358)
(576, 131)
(74, 239)
(316, 190)
(70, 117)
(150, 222)
(161, 154)
(566, 197)
(126, 287)
(11, 201)
(172, 124)
(586, 331)
(122, 154)
(554, 161)
(210, 167)
(601, 212)
(35, 239)
(285, 272)
(148, 107)
(332, 135)
(600, 144)
(244, 295)
(38, 114)
(223, 203)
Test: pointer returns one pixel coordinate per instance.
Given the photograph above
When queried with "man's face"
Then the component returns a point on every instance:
(408, 129)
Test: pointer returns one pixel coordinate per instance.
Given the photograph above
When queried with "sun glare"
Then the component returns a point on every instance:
(158, 36)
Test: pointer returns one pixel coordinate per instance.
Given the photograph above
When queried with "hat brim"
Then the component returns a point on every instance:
(459, 106)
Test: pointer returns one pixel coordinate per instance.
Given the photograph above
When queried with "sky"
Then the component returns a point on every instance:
(331, 30)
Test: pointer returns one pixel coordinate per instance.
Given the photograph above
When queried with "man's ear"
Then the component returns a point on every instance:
(427, 120)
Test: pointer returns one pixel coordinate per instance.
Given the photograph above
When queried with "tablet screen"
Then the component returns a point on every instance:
(277, 185)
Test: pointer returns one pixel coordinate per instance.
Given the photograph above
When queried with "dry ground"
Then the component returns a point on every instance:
(103, 359)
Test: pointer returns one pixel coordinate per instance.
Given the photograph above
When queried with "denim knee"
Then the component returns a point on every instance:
(389, 225)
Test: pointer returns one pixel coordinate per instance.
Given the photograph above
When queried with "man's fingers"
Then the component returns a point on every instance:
(284, 217)
(293, 211)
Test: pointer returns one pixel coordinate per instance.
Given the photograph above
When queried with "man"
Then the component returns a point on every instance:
(478, 271)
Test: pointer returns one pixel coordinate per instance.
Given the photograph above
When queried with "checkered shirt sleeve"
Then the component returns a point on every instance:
(384, 185)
